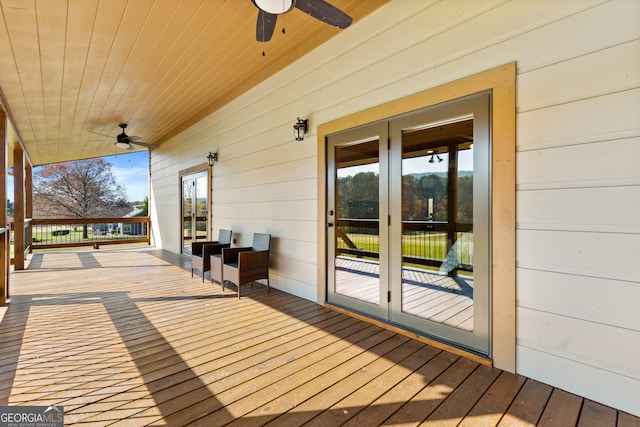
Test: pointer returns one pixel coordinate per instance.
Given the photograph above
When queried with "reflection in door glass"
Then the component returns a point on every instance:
(187, 213)
(201, 207)
(437, 223)
(357, 260)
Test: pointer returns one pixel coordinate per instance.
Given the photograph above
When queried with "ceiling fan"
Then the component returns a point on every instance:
(319, 9)
(125, 141)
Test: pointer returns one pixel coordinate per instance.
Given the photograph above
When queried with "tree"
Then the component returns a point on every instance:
(465, 199)
(358, 196)
(145, 208)
(78, 189)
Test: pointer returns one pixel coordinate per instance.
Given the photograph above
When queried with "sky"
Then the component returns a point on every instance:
(131, 171)
(417, 165)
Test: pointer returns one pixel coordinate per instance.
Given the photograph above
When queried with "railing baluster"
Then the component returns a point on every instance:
(426, 240)
(57, 232)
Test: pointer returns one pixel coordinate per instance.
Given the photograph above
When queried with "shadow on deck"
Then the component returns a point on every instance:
(127, 336)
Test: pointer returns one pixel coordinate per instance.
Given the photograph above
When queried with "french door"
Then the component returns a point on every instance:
(357, 228)
(195, 200)
(408, 221)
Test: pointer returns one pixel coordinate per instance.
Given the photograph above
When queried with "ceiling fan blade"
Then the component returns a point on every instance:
(102, 134)
(465, 137)
(144, 144)
(325, 12)
(265, 26)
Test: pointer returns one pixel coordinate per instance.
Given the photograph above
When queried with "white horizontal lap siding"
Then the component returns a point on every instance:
(577, 176)
(535, 288)
(265, 182)
(593, 254)
(556, 127)
(549, 337)
(164, 207)
(578, 194)
(591, 209)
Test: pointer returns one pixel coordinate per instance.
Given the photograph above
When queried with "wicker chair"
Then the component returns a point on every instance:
(215, 265)
(245, 265)
(201, 251)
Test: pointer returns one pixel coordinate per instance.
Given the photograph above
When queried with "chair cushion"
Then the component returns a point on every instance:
(224, 236)
(261, 242)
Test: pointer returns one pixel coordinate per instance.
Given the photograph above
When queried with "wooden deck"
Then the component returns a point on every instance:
(127, 337)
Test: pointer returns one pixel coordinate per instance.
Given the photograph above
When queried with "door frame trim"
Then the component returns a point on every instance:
(501, 81)
(202, 167)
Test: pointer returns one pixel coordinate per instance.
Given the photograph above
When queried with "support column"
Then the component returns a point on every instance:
(4, 225)
(18, 208)
(28, 204)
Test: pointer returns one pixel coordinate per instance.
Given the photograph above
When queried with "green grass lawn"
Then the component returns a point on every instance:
(433, 246)
(426, 246)
(45, 235)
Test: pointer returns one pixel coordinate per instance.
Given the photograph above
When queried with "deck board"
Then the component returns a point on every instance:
(495, 402)
(596, 415)
(126, 335)
(398, 395)
(528, 405)
(562, 410)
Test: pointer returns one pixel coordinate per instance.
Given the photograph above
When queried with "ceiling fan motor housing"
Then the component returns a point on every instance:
(275, 7)
(319, 9)
(122, 137)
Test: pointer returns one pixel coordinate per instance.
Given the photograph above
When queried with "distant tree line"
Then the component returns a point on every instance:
(358, 197)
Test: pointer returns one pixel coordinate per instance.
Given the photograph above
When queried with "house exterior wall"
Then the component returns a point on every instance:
(578, 179)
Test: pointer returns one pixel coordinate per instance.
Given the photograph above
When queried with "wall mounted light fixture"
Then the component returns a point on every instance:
(300, 129)
(212, 158)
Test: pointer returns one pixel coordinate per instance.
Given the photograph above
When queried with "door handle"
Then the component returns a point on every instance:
(329, 224)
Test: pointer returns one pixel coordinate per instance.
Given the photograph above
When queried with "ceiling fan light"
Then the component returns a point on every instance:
(124, 145)
(274, 7)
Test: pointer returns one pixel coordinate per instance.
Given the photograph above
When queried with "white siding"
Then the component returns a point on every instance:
(578, 178)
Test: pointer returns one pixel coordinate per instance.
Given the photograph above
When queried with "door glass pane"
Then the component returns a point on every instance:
(437, 223)
(201, 207)
(357, 234)
(187, 213)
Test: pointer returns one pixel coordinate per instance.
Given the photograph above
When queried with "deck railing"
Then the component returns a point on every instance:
(61, 233)
(424, 243)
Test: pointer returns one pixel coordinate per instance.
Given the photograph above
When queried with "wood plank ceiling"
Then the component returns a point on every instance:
(69, 68)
